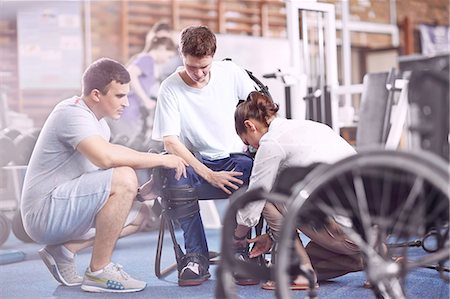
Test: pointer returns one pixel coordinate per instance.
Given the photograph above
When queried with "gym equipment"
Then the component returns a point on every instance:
(5, 228)
(429, 97)
(373, 116)
(287, 90)
(7, 149)
(24, 144)
(312, 39)
(11, 256)
(16, 146)
(18, 229)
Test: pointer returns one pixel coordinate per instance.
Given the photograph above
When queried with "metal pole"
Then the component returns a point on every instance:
(346, 52)
(321, 65)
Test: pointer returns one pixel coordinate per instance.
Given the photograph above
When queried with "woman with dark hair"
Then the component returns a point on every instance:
(144, 69)
(283, 143)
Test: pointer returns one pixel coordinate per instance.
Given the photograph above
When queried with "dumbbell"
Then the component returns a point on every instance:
(7, 147)
(18, 229)
(24, 144)
(17, 147)
(5, 228)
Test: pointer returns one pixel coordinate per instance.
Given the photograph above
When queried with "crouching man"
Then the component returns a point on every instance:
(80, 189)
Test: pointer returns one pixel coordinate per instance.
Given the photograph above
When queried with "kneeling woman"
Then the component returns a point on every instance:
(283, 143)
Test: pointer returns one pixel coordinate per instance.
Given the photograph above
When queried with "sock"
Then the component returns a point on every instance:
(60, 252)
(67, 253)
(98, 271)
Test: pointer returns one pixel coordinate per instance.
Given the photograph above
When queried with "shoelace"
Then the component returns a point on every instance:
(119, 268)
(69, 270)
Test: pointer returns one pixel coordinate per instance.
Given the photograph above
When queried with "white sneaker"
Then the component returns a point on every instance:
(112, 280)
(63, 269)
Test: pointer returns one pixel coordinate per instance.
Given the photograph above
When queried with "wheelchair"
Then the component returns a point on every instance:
(380, 198)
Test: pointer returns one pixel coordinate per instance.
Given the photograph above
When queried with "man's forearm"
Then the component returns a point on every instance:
(175, 147)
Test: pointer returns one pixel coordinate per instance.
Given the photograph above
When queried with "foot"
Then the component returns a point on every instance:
(242, 254)
(61, 267)
(111, 279)
(398, 260)
(194, 270)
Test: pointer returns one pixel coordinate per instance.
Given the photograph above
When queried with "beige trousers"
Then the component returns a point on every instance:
(330, 252)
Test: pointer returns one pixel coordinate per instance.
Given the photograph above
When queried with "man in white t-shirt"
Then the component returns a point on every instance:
(194, 114)
(80, 189)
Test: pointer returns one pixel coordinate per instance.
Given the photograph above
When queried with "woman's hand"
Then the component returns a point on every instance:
(263, 244)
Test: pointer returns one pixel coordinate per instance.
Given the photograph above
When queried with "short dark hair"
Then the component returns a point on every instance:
(164, 41)
(198, 41)
(101, 73)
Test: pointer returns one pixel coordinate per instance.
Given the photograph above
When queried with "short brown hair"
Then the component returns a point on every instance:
(101, 73)
(198, 41)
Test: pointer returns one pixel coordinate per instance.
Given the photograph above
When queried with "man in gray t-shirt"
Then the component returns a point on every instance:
(80, 189)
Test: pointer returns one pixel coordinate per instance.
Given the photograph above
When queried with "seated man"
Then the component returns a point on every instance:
(194, 113)
(80, 190)
(283, 143)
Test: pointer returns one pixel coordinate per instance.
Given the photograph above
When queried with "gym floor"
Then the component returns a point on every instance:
(31, 279)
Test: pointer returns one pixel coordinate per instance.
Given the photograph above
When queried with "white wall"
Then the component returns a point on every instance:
(260, 56)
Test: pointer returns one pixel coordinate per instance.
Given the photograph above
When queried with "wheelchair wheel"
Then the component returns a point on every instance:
(377, 197)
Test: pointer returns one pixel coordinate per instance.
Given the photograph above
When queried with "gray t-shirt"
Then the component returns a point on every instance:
(55, 159)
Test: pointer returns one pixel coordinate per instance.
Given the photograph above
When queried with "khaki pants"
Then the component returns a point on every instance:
(330, 252)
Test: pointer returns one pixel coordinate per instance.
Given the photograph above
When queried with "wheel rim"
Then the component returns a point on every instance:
(417, 181)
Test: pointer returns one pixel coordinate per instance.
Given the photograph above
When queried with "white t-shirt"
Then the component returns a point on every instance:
(203, 118)
(290, 143)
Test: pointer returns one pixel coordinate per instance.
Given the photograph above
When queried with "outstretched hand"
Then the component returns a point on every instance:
(224, 179)
(263, 244)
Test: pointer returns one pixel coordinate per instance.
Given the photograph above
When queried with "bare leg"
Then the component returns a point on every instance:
(135, 226)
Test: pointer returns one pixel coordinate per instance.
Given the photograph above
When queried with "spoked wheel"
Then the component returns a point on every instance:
(377, 197)
(229, 264)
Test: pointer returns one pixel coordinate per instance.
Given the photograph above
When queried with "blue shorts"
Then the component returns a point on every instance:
(68, 212)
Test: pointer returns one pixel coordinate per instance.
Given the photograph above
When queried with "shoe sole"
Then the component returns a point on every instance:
(50, 262)
(93, 289)
(193, 282)
(292, 287)
(247, 283)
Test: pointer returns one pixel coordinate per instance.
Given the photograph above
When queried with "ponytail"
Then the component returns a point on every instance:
(258, 106)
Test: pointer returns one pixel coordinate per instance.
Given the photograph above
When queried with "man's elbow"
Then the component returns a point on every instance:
(170, 144)
(104, 162)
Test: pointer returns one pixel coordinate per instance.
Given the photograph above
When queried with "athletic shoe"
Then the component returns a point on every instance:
(112, 279)
(242, 254)
(195, 270)
(63, 269)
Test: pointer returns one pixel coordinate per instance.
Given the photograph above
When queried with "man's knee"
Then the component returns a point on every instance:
(180, 201)
(124, 181)
(244, 164)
